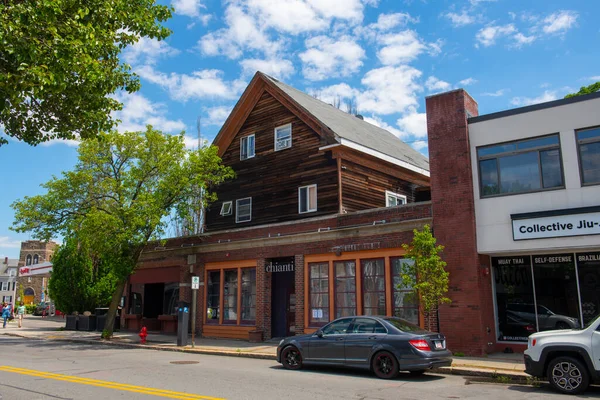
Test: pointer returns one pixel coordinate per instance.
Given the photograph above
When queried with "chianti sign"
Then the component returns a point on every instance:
(280, 266)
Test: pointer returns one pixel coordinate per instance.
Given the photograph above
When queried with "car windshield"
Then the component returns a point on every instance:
(404, 326)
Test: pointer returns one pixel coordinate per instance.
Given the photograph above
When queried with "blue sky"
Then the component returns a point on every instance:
(386, 54)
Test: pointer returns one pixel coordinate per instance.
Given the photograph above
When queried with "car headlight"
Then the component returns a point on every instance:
(281, 342)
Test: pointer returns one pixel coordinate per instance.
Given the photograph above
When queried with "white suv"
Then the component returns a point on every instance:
(570, 359)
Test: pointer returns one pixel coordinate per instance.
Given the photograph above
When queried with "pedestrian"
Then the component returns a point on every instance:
(20, 313)
(5, 313)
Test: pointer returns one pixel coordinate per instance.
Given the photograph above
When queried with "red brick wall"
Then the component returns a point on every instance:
(299, 278)
(467, 322)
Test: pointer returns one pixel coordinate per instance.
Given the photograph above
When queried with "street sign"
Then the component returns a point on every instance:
(195, 282)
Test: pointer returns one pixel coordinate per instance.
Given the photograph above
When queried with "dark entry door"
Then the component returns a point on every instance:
(153, 299)
(282, 304)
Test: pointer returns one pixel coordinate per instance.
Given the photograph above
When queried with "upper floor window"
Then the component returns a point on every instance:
(36, 259)
(394, 199)
(307, 199)
(283, 137)
(520, 166)
(247, 147)
(28, 259)
(588, 141)
(226, 208)
(243, 210)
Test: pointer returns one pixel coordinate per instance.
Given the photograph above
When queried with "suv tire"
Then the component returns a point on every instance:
(568, 375)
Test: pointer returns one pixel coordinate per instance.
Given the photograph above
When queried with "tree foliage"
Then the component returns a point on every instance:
(426, 275)
(81, 280)
(593, 88)
(60, 62)
(119, 196)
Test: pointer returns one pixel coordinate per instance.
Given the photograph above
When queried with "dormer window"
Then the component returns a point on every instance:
(247, 147)
(226, 208)
(283, 137)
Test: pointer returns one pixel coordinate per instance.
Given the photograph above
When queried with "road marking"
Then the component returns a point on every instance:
(107, 384)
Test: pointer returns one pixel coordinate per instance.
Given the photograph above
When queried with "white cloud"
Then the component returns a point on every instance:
(326, 57)
(9, 243)
(548, 95)
(461, 19)
(497, 93)
(138, 111)
(148, 51)
(385, 23)
(68, 142)
(389, 90)
(401, 47)
(594, 78)
(559, 22)
(433, 84)
(201, 84)
(477, 2)
(521, 39)
(331, 94)
(190, 8)
(487, 36)
(277, 68)
(414, 123)
(217, 115)
(467, 82)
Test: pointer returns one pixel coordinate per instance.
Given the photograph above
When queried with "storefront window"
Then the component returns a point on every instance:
(514, 298)
(319, 293)
(212, 297)
(406, 302)
(588, 265)
(556, 292)
(248, 296)
(230, 295)
(345, 288)
(170, 298)
(373, 286)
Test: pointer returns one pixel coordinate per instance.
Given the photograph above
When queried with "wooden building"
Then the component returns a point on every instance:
(310, 229)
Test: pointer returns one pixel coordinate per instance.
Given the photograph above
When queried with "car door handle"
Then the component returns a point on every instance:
(340, 339)
(372, 337)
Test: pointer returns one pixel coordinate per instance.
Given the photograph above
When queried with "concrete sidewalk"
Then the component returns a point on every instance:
(493, 366)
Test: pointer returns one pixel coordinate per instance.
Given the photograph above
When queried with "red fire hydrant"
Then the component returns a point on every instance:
(143, 334)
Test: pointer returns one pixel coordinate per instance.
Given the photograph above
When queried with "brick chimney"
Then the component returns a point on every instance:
(468, 321)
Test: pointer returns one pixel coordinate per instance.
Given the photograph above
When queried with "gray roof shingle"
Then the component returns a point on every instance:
(351, 128)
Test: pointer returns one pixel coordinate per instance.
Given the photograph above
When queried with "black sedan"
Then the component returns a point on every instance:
(386, 345)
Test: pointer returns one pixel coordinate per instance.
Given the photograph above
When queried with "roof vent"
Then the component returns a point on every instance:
(360, 117)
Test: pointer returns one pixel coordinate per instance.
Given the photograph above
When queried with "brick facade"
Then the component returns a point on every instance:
(44, 252)
(468, 321)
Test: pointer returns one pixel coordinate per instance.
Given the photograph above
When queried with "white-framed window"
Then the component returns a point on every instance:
(394, 199)
(12, 272)
(4, 286)
(36, 259)
(283, 137)
(247, 147)
(243, 210)
(307, 199)
(226, 208)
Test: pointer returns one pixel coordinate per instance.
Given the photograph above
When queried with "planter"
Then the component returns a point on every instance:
(86, 323)
(133, 322)
(151, 324)
(168, 323)
(255, 336)
(71, 322)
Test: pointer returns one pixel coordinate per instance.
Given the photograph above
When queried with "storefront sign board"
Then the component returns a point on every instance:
(275, 266)
(556, 226)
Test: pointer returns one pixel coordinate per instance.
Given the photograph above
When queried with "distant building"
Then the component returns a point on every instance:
(34, 270)
(8, 279)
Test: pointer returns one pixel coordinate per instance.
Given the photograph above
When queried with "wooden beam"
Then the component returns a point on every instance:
(340, 192)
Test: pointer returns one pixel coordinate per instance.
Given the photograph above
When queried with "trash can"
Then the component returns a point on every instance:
(86, 323)
(183, 318)
(71, 322)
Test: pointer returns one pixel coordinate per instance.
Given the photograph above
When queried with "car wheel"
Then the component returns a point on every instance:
(568, 375)
(417, 373)
(562, 325)
(385, 365)
(291, 358)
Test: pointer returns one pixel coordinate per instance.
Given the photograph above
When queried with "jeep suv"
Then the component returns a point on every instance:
(570, 359)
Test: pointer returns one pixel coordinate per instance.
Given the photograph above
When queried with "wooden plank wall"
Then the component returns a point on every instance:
(364, 188)
(272, 178)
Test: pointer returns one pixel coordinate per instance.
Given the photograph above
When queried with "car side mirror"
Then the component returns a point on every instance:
(320, 334)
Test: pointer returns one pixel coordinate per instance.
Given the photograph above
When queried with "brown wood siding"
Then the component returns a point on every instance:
(272, 178)
(224, 331)
(364, 188)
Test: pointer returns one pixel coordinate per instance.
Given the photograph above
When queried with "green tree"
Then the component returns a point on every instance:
(119, 197)
(593, 88)
(81, 280)
(426, 275)
(60, 62)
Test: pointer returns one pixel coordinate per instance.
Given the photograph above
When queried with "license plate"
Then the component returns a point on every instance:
(439, 345)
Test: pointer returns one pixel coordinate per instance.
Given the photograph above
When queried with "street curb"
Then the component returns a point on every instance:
(460, 371)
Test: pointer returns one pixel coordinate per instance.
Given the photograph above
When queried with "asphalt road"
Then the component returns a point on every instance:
(33, 369)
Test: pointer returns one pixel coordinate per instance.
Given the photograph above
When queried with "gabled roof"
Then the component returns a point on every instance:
(338, 127)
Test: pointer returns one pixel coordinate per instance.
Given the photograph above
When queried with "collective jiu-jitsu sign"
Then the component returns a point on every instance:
(560, 223)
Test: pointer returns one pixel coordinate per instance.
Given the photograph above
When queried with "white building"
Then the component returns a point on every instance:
(8, 278)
